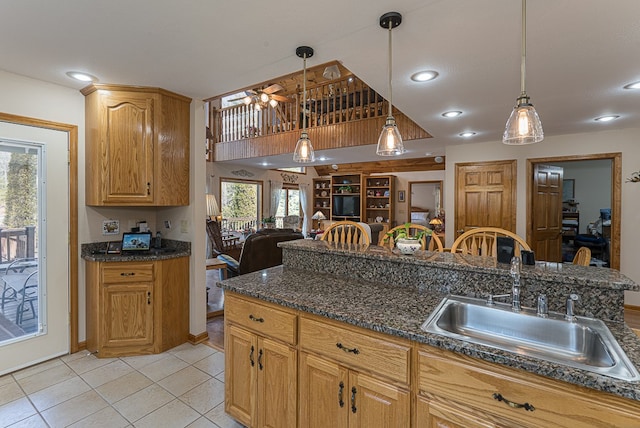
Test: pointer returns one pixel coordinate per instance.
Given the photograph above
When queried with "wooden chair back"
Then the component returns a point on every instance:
(346, 232)
(482, 241)
(582, 257)
(435, 244)
(218, 245)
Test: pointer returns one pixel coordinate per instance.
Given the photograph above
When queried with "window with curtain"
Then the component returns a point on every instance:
(289, 202)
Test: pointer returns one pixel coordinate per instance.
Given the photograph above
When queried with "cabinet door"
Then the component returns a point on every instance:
(277, 391)
(241, 356)
(373, 402)
(128, 314)
(324, 393)
(127, 143)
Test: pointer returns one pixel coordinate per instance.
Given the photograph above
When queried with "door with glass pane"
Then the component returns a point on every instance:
(34, 245)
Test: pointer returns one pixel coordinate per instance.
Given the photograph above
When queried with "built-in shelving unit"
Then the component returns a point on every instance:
(322, 197)
(346, 202)
(378, 201)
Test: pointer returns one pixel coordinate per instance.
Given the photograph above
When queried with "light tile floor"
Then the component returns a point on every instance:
(183, 387)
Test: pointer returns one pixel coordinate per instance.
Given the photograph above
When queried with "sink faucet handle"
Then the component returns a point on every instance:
(492, 296)
(571, 299)
(543, 306)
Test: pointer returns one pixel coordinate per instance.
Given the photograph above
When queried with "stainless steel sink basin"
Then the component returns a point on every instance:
(585, 343)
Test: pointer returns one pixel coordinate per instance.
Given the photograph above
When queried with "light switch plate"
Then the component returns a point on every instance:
(184, 226)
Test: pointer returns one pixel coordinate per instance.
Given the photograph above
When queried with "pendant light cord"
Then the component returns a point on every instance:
(390, 71)
(524, 48)
(304, 92)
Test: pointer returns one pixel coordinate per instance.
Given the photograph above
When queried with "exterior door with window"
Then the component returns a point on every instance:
(34, 196)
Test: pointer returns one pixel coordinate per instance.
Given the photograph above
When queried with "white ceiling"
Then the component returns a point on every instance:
(580, 54)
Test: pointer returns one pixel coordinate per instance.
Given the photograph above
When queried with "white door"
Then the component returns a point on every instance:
(51, 335)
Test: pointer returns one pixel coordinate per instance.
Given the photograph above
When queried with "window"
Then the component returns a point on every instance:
(289, 202)
(241, 204)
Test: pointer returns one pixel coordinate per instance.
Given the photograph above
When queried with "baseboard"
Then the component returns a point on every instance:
(214, 314)
(200, 338)
(82, 346)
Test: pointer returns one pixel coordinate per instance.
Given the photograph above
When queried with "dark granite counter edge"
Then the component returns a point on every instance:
(406, 324)
(171, 249)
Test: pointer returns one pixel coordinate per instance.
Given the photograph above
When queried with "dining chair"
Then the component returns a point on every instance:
(582, 257)
(482, 241)
(434, 242)
(346, 232)
(20, 284)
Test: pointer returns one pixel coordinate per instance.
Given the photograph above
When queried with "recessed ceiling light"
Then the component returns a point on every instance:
(467, 134)
(83, 77)
(634, 85)
(424, 76)
(608, 118)
(264, 163)
(452, 113)
(322, 159)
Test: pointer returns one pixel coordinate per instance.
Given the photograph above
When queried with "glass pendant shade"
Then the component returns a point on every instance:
(390, 141)
(523, 125)
(304, 150)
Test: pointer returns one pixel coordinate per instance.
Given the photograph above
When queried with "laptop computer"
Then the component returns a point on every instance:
(135, 242)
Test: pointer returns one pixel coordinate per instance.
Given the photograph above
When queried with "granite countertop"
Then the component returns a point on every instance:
(96, 252)
(400, 311)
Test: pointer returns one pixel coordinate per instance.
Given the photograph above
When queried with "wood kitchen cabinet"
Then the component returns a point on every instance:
(136, 308)
(459, 391)
(137, 146)
(352, 378)
(260, 364)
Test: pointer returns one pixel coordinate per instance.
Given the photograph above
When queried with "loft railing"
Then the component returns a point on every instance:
(338, 101)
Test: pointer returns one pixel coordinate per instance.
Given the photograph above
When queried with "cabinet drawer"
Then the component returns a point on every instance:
(127, 272)
(357, 349)
(473, 382)
(265, 320)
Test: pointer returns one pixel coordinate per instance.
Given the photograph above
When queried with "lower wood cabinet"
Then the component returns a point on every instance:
(333, 396)
(459, 391)
(136, 308)
(286, 368)
(260, 372)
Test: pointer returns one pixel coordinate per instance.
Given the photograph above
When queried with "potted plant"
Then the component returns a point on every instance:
(344, 189)
(405, 241)
(269, 222)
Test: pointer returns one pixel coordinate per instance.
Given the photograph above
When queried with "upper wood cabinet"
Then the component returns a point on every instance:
(137, 146)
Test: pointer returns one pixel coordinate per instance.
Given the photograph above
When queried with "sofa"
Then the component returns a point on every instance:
(260, 251)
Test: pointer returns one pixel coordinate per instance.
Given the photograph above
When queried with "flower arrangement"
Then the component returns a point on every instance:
(344, 189)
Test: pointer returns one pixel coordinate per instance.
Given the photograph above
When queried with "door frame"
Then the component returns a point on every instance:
(72, 131)
(409, 191)
(616, 195)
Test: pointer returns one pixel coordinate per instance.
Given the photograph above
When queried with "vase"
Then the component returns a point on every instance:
(408, 246)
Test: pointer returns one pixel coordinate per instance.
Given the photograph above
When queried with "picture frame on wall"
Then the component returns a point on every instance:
(400, 195)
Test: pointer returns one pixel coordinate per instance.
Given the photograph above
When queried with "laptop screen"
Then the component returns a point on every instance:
(136, 241)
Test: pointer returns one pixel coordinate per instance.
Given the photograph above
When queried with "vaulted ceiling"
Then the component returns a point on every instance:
(580, 54)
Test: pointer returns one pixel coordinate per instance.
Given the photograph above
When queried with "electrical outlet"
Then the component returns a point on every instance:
(184, 226)
(167, 224)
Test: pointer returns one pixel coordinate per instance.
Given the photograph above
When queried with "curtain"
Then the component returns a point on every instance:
(276, 187)
(304, 198)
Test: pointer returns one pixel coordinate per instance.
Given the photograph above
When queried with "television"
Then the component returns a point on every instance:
(346, 205)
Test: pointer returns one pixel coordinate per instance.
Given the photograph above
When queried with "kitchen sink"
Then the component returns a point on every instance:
(585, 343)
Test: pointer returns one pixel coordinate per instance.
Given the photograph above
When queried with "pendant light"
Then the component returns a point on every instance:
(523, 126)
(304, 150)
(390, 140)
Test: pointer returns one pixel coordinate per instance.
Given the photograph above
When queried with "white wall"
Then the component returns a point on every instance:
(623, 141)
(592, 187)
(27, 97)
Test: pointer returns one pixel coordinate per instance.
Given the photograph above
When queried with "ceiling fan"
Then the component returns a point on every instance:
(264, 97)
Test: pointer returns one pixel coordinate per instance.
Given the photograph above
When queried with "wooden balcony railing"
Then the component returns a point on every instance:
(338, 101)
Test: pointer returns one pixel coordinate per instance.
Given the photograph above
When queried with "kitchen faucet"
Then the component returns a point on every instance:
(516, 263)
